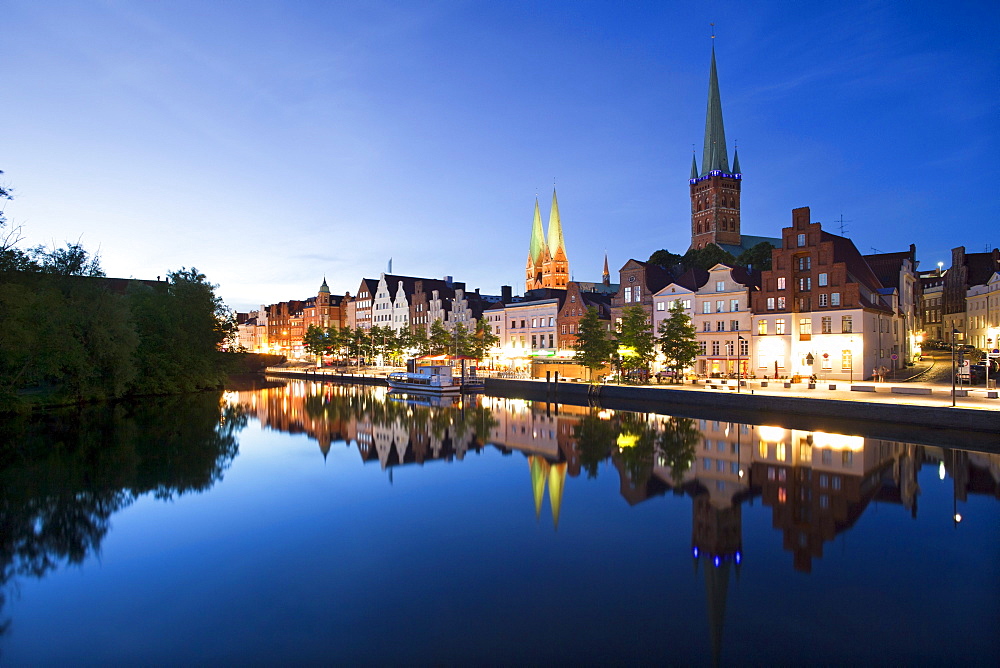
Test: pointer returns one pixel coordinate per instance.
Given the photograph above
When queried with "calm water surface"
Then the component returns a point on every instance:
(312, 523)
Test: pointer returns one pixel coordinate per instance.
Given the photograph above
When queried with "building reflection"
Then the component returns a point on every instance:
(816, 485)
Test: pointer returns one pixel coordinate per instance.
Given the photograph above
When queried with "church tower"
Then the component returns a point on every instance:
(537, 253)
(715, 190)
(555, 272)
(547, 265)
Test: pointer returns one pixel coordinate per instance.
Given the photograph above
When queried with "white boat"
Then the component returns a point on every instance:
(426, 380)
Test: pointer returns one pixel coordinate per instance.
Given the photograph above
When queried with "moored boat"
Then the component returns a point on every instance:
(425, 379)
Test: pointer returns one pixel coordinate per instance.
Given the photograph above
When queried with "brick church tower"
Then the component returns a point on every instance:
(715, 190)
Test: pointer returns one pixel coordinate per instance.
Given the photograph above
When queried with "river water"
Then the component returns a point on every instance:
(318, 523)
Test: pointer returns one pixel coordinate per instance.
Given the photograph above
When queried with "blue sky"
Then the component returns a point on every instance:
(270, 144)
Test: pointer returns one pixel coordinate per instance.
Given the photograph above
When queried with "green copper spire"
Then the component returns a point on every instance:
(736, 162)
(324, 287)
(714, 157)
(537, 237)
(555, 228)
(694, 166)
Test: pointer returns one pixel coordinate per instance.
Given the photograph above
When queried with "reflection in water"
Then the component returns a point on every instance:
(64, 474)
(63, 477)
(816, 484)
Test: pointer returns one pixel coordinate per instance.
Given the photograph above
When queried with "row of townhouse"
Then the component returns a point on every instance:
(820, 310)
(279, 328)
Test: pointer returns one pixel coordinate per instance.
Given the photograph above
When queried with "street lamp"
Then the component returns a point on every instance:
(954, 334)
(739, 365)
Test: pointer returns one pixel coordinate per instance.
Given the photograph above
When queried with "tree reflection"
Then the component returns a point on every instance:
(65, 473)
(677, 446)
(594, 439)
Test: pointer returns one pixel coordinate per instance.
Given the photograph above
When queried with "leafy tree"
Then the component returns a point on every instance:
(420, 342)
(357, 342)
(706, 258)
(440, 339)
(593, 346)
(73, 260)
(461, 341)
(482, 340)
(664, 258)
(316, 341)
(677, 339)
(757, 256)
(635, 339)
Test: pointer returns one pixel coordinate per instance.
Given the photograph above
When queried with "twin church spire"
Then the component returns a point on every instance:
(547, 266)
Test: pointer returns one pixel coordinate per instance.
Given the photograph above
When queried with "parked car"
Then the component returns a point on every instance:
(977, 372)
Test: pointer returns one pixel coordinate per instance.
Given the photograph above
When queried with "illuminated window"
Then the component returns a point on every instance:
(628, 294)
(782, 495)
(781, 282)
(779, 326)
(762, 327)
(781, 302)
(846, 324)
(770, 303)
(781, 452)
(659, 306)
(827, 325)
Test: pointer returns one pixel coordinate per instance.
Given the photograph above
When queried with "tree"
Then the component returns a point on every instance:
(593, 346)
(461, 341)
(440, 339)
(419, 340)
(677, 339)
(635, 340)
(316, 341)
(706, 258)
(73, 260)
(758, 257)
(482, 340)
(677, 446)
(664, 258)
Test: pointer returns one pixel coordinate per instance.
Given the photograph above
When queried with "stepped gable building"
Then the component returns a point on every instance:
(967, 269)
(639, 282)
(547, 265)
(716, 188)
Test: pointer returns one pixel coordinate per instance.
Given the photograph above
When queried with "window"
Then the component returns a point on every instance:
(822, 280)
(822, 299)
(628, 295)
(781, 302)
(720, 286)
(686, 303)
(805, 329)
(706, 326)
(827, 324)
(572, 329)
(781, 282)
(770, 303)
(720, 325)
(701, 348)
(779, 326)
(637, 294)
(834, 299)
(805, 263)
(534, 322)
(734, 304)
(552, 341)
(801, 240)
(846, 360)
(847, 458)
(744, 347)
(715, 347)
(720, 306)
(659, 306)
(729, 349)
(846, 325)
(563, 329)
(805, 284)
(552, 321)
(522, 323)
(534, 341)
(706, 307)
(734, 325)
(836, 481)
(762, 327)
(827, 459)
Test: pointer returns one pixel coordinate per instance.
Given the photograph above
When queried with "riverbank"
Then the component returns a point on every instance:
(891, 411)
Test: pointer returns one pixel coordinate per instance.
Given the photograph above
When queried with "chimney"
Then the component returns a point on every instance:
(506, 294)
